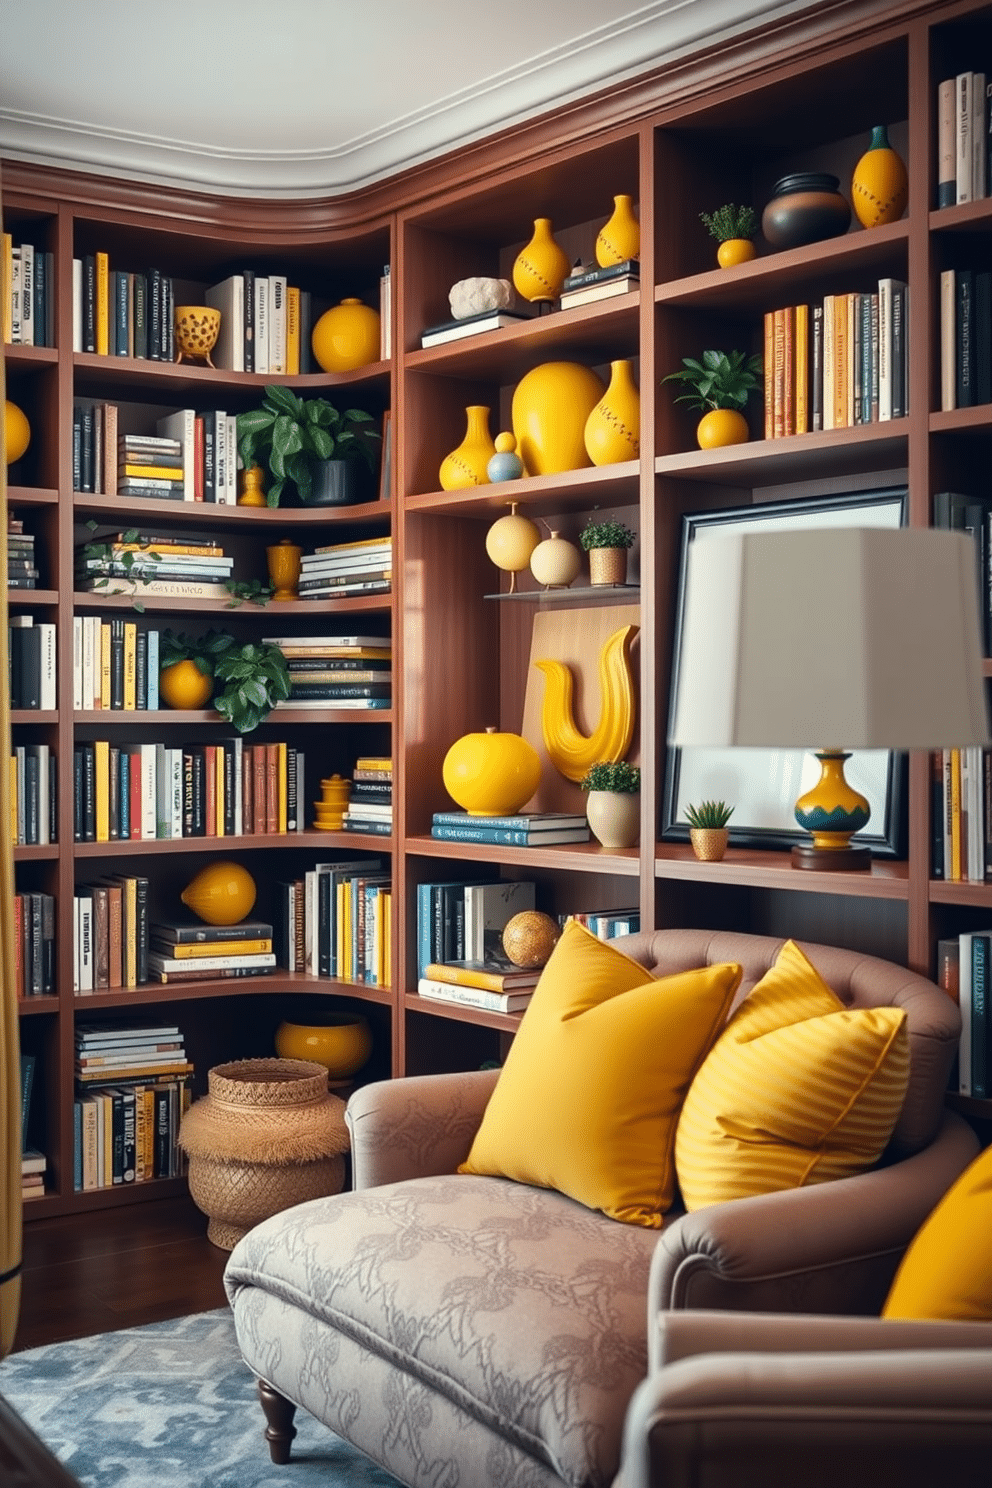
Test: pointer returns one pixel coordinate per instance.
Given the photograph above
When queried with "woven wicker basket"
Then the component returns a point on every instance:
(267, 1135)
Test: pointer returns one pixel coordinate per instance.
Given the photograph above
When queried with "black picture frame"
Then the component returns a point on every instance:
(763, 784)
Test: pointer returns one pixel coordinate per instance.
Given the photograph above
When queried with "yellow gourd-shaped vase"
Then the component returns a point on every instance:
(879, 186)
(540, 269)
(613, 429)
(466, 465)
(551, 404)
(620, 238)
(346, 337)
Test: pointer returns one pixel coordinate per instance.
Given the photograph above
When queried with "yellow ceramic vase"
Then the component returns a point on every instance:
(491, 774)
(17, 432)
(551, 404)
(555, 562)
(466, 465)
(341, 1042)
(540, 269)
(734, 251)
(183, 685)
(284, 568)
(252, 493)
(833, 810)
(346, 337)
(620, 238)
(879, 186)
(613, 429)
(220, 894)
(722, 426)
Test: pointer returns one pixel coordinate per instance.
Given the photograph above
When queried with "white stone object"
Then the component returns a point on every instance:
(472, 296)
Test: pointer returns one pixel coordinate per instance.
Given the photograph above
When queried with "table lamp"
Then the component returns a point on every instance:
(831, 639)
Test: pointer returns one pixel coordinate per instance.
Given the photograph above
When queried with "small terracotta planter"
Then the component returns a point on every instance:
(709, 843)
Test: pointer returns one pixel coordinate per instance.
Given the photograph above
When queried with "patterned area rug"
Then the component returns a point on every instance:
(169, 1406)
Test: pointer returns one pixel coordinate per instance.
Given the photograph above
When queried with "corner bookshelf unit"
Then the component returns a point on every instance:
(802, 94)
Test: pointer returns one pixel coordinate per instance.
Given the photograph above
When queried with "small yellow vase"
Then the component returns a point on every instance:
(551, 404)
(832, 810)
(346, 337)
(722, 426)
(491, 774)
(466, 465)
(17, 432)
(620, 238)
(252, 493)
(733, 251)
(284, 568)
(540, 269)
(183, 685)
(341, 1042)
(221, 893)
(879, 186)
(613, 429)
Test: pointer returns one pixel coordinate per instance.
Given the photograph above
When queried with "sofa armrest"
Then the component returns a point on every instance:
(418, 1127)
(683, 1335)
(833, 1247)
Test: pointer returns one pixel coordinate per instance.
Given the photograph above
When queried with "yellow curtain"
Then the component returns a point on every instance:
(10, 1064)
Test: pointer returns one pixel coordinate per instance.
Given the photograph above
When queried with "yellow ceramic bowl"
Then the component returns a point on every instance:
(341, 1042)
(197, 329)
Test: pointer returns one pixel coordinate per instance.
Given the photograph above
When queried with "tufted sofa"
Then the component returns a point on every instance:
(467, 1331)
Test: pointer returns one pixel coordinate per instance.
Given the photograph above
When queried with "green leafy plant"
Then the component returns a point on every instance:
(135, 564)
(606, 535)
(730, 221)
(249, 677)
(288, 435)
(612, 775)
(248, 591)
(709, 814)
(719, 380)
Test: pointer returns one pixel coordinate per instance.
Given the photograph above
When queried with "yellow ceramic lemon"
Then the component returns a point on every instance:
(491, 774)
(221, 893)
(341, 1042)
(17, 432)
(722, 426)
(346, 337)
(183, 685)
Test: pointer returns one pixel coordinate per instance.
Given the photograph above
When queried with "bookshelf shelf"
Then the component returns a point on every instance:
(773, 870)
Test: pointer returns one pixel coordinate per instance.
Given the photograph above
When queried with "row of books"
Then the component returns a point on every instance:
(463, 919)
(34, 944)
(110, 934)
(191, 456)
(583, 286)
(159, 792)
(964, 969)
(837, 364)
(364, 567)
(961, 814)
(335, 921)
(315, 662)
(22, 571)
(27, 293)
(965, 338)
(265, 324)
(973, 515)
(133, 1086)
(34, 796)
(120, 313)
(115, 665)
(524, 829)
(31, 663)
(964, 120)
(145, 571)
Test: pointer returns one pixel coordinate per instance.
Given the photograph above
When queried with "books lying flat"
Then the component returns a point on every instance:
(158, 962)
(471, 325)
(629, 268)
(475, 997)
(507, 837)
(161, 588)
(491, 974)
(604, 291)
(332, 703)
(200, 934)
(521, 821)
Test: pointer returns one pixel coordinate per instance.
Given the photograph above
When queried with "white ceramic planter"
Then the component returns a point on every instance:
(614, 817)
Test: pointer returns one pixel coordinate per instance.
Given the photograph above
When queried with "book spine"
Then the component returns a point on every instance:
(476, 997)
(946, 146)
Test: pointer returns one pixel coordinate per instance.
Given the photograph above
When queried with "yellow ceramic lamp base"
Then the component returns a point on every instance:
(832, 811)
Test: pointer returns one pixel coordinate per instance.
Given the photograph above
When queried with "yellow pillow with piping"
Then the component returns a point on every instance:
(588, 1098)
(797, 1090)
(946, 1272)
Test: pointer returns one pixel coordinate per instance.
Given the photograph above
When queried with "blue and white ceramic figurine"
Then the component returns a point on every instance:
(505, 464)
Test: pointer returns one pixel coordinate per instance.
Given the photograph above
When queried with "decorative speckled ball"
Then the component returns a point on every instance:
(530, 937)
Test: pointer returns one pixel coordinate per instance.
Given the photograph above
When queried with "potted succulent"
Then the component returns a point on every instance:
(319, 448)
(721, 386)
(708, 830)
(244, 680)
(613, 809)
(734, 228)
(607, 544)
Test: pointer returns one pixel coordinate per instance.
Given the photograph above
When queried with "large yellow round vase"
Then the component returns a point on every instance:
(346, 337)
(341, 1042)
(17, 432)
(491, 774)
(220, 894)
(183, 685)
(551, 404)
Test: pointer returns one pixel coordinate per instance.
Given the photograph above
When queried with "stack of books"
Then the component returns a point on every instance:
(157, 565)
(364, 567)
(606, 924)
(370, 802)
(524, 829)
(493, 984)
(472, 325)
(149, 465)
(132, 1089)
(584, 286)
(337, 671)
(183, 952)
(464, 921)
(33, 1165)
(21, 570)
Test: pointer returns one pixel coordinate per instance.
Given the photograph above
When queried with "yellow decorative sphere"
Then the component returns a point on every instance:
(879, 186)
(551, 404)
(341, 1042)
(346, 337)
(734, 251)
(183, 685)
(511, 540)
(722, 426)
(491, 774)
(530, 937)
(17, 435)
(220, 894)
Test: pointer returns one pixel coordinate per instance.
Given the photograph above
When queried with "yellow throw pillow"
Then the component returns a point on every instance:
(946, 1272)
(588, 1098)
(797, 1090)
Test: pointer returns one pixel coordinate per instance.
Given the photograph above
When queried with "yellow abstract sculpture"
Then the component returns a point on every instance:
(569, 750)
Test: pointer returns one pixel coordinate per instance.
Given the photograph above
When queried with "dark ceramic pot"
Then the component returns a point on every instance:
(336, 483)
(806, 208)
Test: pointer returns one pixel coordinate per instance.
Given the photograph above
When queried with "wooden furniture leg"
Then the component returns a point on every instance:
(279, 1413)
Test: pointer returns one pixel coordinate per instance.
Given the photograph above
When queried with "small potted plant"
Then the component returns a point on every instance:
(244, 680)
(708, 830)
(613, 809)
(721, 387)
(734, 228)
(607, 544)
(319, 448)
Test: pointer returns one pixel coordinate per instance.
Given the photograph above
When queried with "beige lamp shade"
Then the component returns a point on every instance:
(858, 638)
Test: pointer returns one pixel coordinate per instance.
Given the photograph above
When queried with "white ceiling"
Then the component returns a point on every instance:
(314, 97)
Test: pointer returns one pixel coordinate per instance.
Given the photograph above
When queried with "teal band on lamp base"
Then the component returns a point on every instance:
(832, 811)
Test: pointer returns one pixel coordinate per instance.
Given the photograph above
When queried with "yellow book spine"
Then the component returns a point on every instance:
(828, 361)
(104, 664)
(769, 373)
(802, 369)
(292, 330)
(344, 932)
(6, 273)
(458, 976)
(13, 799)
(221, 948)
(102, 304)
(955, 814)
(283, 786)
(841, 350)
(130, 665)
(101, 759)
(130, 932)
(152, 472)
(219, 812)
(386, 979)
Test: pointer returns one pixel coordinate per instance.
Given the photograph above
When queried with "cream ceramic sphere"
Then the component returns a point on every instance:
(473, 296)
(555, 562)
(511, 541)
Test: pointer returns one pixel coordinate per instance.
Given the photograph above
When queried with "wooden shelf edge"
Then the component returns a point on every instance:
(773, 870)
(458, 1013)
(580, 857)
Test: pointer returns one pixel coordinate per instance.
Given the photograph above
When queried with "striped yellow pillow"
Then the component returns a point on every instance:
(797, 1090)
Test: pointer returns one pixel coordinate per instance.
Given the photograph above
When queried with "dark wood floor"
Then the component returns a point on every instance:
(116, 1268)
